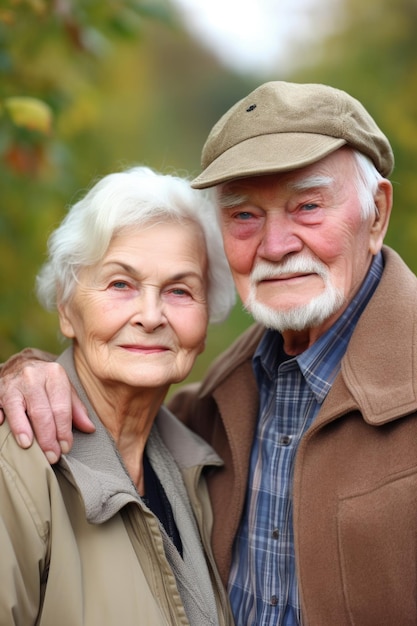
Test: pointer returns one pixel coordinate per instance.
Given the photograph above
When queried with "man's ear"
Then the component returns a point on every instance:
(379, 226)
(65, 323)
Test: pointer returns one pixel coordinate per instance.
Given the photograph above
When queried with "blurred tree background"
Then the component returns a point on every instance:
(88, 87)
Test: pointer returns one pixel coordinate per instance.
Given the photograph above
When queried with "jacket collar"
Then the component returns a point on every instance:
(379, 370)
(238, 354)
(380, 365)
(96, 468)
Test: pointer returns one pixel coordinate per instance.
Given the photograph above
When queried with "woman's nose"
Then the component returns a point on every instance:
(149, 312)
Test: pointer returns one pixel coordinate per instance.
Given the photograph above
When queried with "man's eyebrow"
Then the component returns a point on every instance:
(228, 199)
(310, 182)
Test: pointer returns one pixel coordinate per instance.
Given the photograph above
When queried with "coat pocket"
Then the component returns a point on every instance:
(377, 542)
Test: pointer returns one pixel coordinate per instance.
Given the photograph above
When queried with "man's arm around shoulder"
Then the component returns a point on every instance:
(38, 400)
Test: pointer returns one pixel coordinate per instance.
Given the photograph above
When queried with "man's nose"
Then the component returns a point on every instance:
(279, 238)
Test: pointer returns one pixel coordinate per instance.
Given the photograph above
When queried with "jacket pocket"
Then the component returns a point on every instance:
(377, 542)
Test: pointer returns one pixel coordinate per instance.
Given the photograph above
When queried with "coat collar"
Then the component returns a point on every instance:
(380, 365)
(97, 469)
(237, 355)
(379, 370)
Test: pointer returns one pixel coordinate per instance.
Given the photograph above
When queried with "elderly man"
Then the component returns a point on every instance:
(314, 408)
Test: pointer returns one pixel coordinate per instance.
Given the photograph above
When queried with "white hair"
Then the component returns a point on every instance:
(136, 197)
(313, 313)
(366, 183)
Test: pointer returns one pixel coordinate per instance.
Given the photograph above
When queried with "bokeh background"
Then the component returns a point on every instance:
(90, 86)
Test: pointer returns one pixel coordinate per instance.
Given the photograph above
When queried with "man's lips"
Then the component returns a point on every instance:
(286, 277)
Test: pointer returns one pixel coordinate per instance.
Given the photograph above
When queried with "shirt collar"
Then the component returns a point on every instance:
(320, 363)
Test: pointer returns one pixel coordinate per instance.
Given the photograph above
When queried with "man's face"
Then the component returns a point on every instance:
(297, 243)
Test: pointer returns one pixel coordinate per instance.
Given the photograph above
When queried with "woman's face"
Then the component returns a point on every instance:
(139, 316)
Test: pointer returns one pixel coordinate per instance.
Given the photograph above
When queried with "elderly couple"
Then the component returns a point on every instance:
(285, 493)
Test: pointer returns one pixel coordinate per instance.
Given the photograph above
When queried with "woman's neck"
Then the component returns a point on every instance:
(128, 414)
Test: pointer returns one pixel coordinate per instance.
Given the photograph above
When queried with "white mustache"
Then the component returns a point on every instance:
(293, 265)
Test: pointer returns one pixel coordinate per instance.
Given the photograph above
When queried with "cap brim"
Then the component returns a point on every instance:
(266, 154)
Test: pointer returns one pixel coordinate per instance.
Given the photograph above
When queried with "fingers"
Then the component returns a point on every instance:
(37, 401)
(50, 411)
(79, 415)
(13, 404)
(65, 406)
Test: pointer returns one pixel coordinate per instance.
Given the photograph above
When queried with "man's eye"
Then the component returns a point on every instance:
(119, 284)
(309, 206)
(243, 216)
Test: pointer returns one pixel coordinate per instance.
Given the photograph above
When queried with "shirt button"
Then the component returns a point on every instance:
(274, 600)
(285, 440)
(275, 533)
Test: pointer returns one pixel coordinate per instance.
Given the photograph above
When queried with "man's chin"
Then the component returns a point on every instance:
(299, 318)
(280, 321)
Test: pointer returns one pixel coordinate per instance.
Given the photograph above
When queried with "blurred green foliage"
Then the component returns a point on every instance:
(122, 82)
(373, 55)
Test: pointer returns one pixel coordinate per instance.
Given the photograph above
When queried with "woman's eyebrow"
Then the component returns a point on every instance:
(119, 265)
(131, 270)
(185, 275)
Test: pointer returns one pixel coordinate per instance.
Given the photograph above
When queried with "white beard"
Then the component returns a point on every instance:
(309, 315)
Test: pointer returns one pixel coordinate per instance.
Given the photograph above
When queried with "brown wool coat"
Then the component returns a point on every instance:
(355, 483)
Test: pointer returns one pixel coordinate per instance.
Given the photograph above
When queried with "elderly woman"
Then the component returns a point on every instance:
(118, 532)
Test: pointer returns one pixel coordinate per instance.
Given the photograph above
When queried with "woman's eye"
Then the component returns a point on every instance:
(179, 292)
(119, 284)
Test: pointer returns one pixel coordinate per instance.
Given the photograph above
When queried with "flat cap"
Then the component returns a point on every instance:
(282, 126)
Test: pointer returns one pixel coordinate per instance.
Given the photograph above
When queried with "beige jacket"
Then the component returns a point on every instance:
(355, 482)
(79, 548)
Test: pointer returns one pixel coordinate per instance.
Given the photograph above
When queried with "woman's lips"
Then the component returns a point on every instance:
(144, 349)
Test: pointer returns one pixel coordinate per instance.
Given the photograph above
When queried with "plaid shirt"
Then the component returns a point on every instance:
(263, 581)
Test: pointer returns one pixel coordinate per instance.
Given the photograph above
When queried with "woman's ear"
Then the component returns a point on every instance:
(65, 323)
(379, 226)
